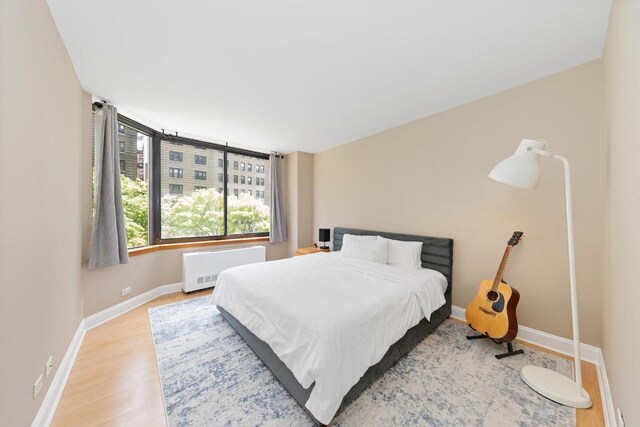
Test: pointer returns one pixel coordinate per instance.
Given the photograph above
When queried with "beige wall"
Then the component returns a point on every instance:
(299, 167)
(429, 177)
(41, 109)
(622, 135)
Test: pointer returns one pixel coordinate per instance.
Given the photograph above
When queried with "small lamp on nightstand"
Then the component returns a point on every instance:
(324, 237)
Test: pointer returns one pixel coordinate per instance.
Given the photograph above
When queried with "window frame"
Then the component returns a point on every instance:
(155, 196)
(154, 188)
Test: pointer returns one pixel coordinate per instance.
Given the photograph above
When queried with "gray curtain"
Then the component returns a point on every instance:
(109, 240)
(278, 231)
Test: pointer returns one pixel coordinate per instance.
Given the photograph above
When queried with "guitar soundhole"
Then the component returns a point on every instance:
(492, 296)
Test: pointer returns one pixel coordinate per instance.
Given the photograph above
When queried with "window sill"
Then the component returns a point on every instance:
(207, 243)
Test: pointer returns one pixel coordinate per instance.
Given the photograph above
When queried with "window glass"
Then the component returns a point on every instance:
(190, 205)
(247, 214)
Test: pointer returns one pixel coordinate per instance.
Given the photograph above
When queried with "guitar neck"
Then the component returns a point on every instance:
(503, 265)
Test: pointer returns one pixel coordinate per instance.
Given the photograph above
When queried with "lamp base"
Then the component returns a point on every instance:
(555, 386)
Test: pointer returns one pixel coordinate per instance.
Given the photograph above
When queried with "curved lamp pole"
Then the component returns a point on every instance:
(523, 170)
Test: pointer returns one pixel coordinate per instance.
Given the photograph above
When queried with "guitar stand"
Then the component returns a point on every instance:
(510, 351)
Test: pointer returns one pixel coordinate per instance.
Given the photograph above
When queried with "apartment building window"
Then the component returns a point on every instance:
(242, 180)
(249, 167)
(175, 188)
(249, 180)
(235, 192)
(175, 173)
(120, 128)
(200, 160)
(220, 177)
(235, 179)
(242, 166)
(235, 166)
(249, 192)
(220, 162)
(123, 165)
(122, 146)
(199, 187)
(175, 156)
(202, 175)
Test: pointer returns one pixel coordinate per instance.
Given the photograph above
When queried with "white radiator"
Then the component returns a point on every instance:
(200, 270)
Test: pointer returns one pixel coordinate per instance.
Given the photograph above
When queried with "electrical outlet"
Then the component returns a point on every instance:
(37, 386)
(48, 367)
(126, 291)
(620, 418)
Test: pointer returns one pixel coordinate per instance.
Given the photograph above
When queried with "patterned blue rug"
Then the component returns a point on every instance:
(210, 377)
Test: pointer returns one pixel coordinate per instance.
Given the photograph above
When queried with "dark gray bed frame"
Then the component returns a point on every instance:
(437, 254)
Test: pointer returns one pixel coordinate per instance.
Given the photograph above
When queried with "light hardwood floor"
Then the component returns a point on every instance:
(114, 381)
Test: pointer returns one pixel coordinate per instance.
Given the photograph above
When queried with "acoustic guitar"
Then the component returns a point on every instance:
(493, 311)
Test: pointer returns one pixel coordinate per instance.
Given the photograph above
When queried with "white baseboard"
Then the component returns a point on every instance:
(564, 346)
(51, 399)
(99, 318)
(588, 352)
(608, 409)
(50, 402)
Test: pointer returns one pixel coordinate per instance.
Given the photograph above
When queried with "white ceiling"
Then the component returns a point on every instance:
(298, 75)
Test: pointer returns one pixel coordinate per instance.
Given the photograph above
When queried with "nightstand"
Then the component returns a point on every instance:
(309, 250)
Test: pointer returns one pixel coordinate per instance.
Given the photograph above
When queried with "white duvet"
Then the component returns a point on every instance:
(329, 318)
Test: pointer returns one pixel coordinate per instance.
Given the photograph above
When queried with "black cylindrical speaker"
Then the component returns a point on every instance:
(324, 236)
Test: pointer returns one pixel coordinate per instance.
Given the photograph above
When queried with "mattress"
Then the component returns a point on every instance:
(328, 318)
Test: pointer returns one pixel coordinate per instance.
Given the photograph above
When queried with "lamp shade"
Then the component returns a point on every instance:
(324, 235)
(522, 169)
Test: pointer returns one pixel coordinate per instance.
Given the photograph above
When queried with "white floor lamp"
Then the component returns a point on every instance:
(522, 170)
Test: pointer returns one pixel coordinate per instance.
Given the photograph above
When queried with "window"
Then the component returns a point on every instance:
(198, 211)
(183, 205)
(133, 145)
(175, 156)
(249, 180)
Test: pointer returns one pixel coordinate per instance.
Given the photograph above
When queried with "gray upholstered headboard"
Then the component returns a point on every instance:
(437, 252)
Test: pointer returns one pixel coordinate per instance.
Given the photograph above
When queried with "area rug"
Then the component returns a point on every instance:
(210, 377)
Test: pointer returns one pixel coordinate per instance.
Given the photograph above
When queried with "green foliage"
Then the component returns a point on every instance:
(198, 214)
(202, 214)
(136, 211)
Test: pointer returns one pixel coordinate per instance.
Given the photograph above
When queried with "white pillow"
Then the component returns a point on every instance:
(347, 237)
(372, 250)
(403, 254)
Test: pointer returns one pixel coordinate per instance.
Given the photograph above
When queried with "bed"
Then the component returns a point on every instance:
(332, 362)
